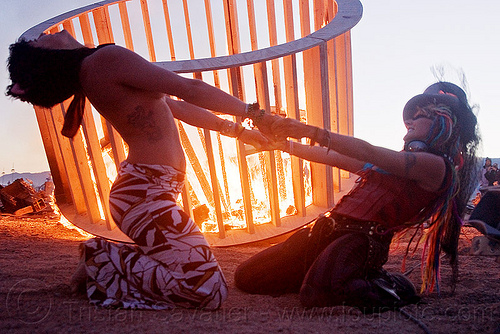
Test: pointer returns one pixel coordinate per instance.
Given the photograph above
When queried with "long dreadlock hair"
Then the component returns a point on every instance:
(453, 136)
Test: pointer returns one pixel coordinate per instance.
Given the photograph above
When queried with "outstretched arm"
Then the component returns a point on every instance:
(203, 118)
(320, 155)
(130, 69)
(425, 168)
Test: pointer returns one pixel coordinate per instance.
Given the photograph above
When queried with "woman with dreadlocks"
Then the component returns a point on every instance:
(339, 259)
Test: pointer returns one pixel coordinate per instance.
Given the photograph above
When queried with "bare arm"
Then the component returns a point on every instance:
(322, 155)
(203, 118)
(194, 115)
(130, 69)
(425, 168)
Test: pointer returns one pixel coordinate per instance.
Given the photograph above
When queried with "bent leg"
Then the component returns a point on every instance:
(276, 270)
(170, 264)
(349, 271)
(343, 260)
(123, 276)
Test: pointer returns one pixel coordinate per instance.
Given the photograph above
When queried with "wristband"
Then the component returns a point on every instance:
(322, 137)
(253, 112)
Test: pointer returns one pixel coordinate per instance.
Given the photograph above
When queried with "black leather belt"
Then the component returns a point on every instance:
(373, 229)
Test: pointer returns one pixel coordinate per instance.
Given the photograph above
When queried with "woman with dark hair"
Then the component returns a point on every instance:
(171, 264)
(339, 259)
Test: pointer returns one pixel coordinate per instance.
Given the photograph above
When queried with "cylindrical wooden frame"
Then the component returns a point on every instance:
(306, 78)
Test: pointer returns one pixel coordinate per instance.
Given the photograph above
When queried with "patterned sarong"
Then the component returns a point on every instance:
(170, 265)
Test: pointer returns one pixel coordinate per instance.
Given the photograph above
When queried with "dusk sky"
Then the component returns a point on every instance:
(395, 47)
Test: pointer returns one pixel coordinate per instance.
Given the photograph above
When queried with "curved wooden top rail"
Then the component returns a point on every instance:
(348, 15)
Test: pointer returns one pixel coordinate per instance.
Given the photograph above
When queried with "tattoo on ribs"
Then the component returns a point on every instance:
(143, 120)
(410, 161)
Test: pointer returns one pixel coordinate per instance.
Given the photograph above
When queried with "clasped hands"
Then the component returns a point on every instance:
(274, 131)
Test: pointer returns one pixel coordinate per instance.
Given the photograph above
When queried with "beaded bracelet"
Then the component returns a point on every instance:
(253, 112)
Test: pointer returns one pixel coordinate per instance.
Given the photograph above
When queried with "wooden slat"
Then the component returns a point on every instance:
(252, 26)
(70, 168)
(68, 25)
(305, 20)
(86, 30)
(232, 31)
(261, 83)
(347, 100)
(263, 99)
(53, 153)
(127, 33)
(211, 39)
(292, 101)
(325, 110)
(313, 91)
(341, 79)
(98, 165)
(84, 175)
(193, 159)
(293, 110)
(206, 140)
(235, 83)
(103, 25)
(275, 69)
(187, 22)
(147, 30)
(215, 184)
(236, 89)
(349, 83)
(319, 13)
(83, 172)
(169, 30)
(334, 108)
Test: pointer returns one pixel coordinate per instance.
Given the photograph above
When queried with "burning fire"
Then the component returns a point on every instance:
(233, 209)
(66, 223)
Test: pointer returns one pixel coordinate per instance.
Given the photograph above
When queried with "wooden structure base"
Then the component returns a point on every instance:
(233, 237)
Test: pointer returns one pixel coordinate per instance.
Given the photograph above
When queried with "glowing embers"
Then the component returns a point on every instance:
(66, 223)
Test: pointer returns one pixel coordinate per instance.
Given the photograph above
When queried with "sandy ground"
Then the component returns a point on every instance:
(38, 256)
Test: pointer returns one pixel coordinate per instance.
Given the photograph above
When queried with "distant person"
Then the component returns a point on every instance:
(339, 260)
(171, 263)
(492, 175)
(486, 168)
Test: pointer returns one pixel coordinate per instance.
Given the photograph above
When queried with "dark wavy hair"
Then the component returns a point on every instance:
(46, 76)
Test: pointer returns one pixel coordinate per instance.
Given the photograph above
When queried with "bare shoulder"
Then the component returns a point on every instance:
(109, 55)
(107, 63)
(430, 169)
